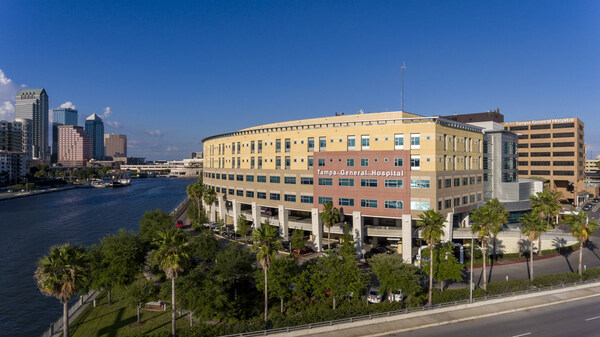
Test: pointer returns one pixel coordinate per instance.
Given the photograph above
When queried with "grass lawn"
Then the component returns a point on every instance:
(116, 320)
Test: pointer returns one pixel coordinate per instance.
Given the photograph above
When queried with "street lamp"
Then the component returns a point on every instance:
(471, 279)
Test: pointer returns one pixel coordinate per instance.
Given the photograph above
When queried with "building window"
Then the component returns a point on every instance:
(240, 193)
(398, 142)
(447, 183)
(310, 162)
(398, 162)
(419, 205)
(289, 180)
(278, 145)
(370, 203)
(240, 177)
(364, 143)
(231, 177)
(252, 147)
(306, 199)
(350, 162)
(322, 144)
(415, 162)
(274, 180)
(465, 200)
(346, 182)
(351, 143)
(277, 163)
(456, 182)
(448, 203)
(231, 191)
(368, 182)
(249, 194)
(287, 163)
(415, 141)
(289, 197)
(321, 162)
(325, 181)
(311, 144)
(393, 204)
(418, 183)
(260, 146)
(261, 179)
(250, 178)
(346, 202)
(259, 163)
(275, 196)
(324, 200)
(456, 202)
(261, 195)
(364, 162)
(471, 180)
(394, 183)
(252, 163)
(472, 198)
(306, 181)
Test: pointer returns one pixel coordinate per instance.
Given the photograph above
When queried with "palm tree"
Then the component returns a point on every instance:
(209, 197)
(265, 245)
(330, 217)
(62, 273)
(547, 205)
(432, 228)
(172, 255)
(581, 229)
(486, 222)
(533, 226)
(195, 191)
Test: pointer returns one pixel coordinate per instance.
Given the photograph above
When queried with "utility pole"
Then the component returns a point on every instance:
(471, 280)
(403, 69)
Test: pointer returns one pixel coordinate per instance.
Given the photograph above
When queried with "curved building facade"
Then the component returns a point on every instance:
(381, 170)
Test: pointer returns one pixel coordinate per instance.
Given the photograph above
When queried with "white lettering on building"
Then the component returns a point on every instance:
(374, 173)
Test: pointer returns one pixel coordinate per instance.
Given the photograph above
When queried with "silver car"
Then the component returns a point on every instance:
(395, 296)
(374, 296)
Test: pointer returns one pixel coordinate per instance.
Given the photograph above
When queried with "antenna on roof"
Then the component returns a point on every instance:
(403, 68)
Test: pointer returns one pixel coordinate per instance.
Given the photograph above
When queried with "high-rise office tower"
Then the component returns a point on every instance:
(11, 136)
(74, 146)
(61, 116)
(115, 145)
(32, 104)
(95, 128)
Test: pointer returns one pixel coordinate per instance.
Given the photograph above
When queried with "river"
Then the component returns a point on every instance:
(30, 226)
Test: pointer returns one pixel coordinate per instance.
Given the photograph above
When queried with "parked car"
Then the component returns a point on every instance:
(304, 250)
(587, 207)
(596, 200)
(395, 296)
(374, 296)
(381, 250)
(179, 223)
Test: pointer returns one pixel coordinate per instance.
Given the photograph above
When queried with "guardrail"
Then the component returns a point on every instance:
(57, 326)
(403, 311)
(176, 213)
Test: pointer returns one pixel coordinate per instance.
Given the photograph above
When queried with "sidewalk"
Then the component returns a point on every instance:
(58, 329)
(447, 315)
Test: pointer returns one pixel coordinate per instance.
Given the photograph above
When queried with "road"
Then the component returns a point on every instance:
(577, 318)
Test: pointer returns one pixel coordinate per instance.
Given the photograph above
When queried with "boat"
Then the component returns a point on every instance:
(119, 179)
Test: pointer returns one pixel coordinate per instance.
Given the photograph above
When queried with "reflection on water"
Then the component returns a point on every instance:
(30, 226)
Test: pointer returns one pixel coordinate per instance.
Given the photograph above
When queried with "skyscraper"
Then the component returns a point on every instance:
(115, 145)
(32, 104)
(11, 136)
(95, 128)
(74, 146)
(61, 116)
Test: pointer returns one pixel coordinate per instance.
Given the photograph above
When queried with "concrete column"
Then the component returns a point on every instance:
(283, 222)
(222, 210)
(237, 211)
(407, 238)
(358, 230)
(213, 213)
(466, 220)
(448, 228)
(255, 215)
(317, 229)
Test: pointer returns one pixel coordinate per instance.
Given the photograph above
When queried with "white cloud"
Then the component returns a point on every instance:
(107, 113)
(172, 148)
(8, 91)
(67, 105)
(155, 133)
(114, 124)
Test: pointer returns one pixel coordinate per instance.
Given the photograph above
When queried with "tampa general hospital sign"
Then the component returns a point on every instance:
(366, 173)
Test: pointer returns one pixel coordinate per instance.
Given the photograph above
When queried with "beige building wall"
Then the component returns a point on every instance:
(115, 145)
(75, 146)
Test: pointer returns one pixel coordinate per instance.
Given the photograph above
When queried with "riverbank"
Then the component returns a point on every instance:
(9, 196)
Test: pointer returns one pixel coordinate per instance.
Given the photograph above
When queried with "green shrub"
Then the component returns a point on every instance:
(591, 274)
(555, 279)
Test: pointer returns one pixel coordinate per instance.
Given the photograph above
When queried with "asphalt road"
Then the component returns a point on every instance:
(577, 318)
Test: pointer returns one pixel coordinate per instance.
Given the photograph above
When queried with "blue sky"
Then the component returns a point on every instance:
(174, 72)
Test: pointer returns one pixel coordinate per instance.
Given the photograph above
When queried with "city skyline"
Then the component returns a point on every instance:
(200, 69)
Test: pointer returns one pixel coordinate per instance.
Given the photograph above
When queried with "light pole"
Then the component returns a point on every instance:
(471, 279)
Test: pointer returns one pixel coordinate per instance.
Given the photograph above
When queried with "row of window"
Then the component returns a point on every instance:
(545, 145)
(547, 163)
(448, 203)
(544, 127)
(447, 183)
(546, 173)
(367, 203)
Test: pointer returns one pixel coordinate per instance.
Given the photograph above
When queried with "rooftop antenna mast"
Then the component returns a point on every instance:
(403, 68)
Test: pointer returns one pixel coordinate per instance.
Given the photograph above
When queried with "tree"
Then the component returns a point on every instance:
(153, 222)
(281, 275)
(243, 227)
(140, 292)
(547, 205)
(203, 295)
(432, 228)
(192, 213)
(209, 196)
(298, 239)
(330, 217)
(582, 228)
(393, 274)
(62, 273)
(265, 245)
(204, 247)
(486, 222)
(195, 192)
(533, 226)
(347, 250)
(234, 269)
(172, 256)
(338, 277)
(447, 266)
(116, 261)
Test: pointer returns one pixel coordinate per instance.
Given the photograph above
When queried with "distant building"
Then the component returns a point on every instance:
(115, 145)
(61, 116)
(32, 104)
(489, 116)
(27, 139)
(591, 165)
(13, 167)
(95, 128)
(74, 146)
(196, 155)
(11, 136)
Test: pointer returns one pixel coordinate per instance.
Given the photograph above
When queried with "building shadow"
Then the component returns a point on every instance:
(592, 247)
(565, 251)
